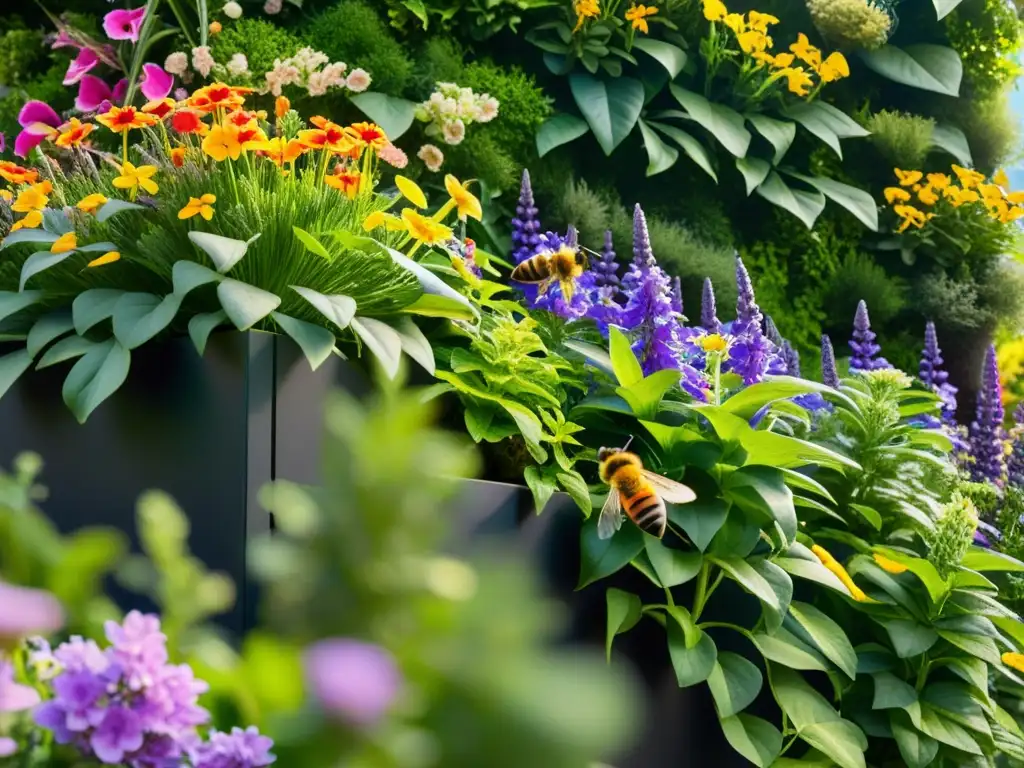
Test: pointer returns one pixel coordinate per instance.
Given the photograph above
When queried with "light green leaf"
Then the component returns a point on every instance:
(576, 487)
(827, 635)
(671, 57)
(429, 305)
(763, 492)
(942, 729)
(46, 329)
(806, 206)
(983, 648)
(28, 236)
(596, 356)
(394, 115)
(114, 206)
(244, 304)
(95, 377)
(753, 582)
(786, 648)
(801, 703)
(611, 107)
(12, 365)
(382, 340)
(757, 740)
(944, 7)
(315, 341)
(624, 363)
(660, 155)
(929, 67)
(65, 349)
(673, 566)
(841, 740)
(623, 614)
(693, 664)
(645, 395)
(723, 123)
(430, 283)
(12, 302)
(414, 343)
(916, 748)
(693, 148)
(812, 571)
(558, 130)
(313, 245)
(224, 252)
(816, 123)
(138, 317)
(186, 276)
(891, 692)
(93, 306)
(909, 638)
(39, 262)
(978, 559)
(734, 684)
(754, 170)
(541, 485)
(779, 133)
(700, 519)
(856, 201)
(600, 558)
(923, 570)
(948, 137)
(201, 326)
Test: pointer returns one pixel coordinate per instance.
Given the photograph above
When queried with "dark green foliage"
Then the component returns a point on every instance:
(482, 157)
(439, 60)
(860, 277)
(21, 53)
(585, 209)
(352, 31)
(902, 139)
(991, 129)
(259, 40)
(523, 105)
(950, 302)
(986, 34)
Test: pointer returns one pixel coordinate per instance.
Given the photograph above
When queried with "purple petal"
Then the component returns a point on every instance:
(120, 89)
(38, 112)
(25, 142)
(7, 746)
(156, 83)
(3, 142)
(64, 40)
(92, 92)
(355, 681)
(85, 61)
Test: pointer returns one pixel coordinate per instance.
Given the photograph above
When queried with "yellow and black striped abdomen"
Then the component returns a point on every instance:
(646, 509)
(535, 269)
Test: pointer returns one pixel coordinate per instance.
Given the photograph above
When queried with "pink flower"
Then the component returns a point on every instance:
(85, 61)
(13, 696)
(155, 83)
(7, 746)
(37, 120)
(64, 40)
(93, 93)
(124, 24)
(355, 681)
(25, 612)
(394, 156)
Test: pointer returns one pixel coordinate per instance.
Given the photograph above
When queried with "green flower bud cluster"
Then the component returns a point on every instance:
(953, 534)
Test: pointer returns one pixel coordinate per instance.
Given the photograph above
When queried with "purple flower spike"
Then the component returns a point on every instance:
(356, 681)
(829, 372)
(606, 268)
(986, 433)
(934, 377)
(708, 310)
(751, 355)
(525, 225)
(1015, 461)
(643, 254)
(865, 350)
(25, 612)
(791, 358)
(677, 296)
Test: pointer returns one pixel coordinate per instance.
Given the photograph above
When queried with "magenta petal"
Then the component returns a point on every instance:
(124, 25)
(91, 93)
(156, 83)
(120, 89)
(64, 40)
(26, 142)
(38, 112)
(86, 60)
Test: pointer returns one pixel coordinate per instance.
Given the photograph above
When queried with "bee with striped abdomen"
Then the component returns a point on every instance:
(563, 265)
(640, 492)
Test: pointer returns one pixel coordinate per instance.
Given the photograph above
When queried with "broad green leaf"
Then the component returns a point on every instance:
(749, 400)
(673, 566)
(114, 206)
(603, 557)
(827, 635)
(693, 664)
(763, 492)
(394, 115)
(757, 740)
(414, 343)
(929, 67)
(754, 170)
(576, 487)
(978, 559)
(923, 570)
(891, 692)
(786, 648)
(429, 282)
(596, 356)
(693, 148)
(28, 236)
(873, 518)
(65, 349)
(623, 614)
(802, 482)
(801, 703)
(541, 485)
(12, 302)
(12, 365)
(312, 245)
(806, 206)
(48, 328)
(382, 340)
(783, 586)
(186, 276)
(983, 648)
(753, 582)
(315, 341)
(917, 749)
(734, 684)
(948, 732)
(224, 252)
(816, 123)
(244, 304)
(39, 262)
(611, 107)
(429, 305)
(841, 740)
(955, 702)
(779, 133)
(700, 519)
(948, 137)
(812, 571)
(660, 156)
(645, 395)
(856, 201)
(624, 363)
(558, 130)
(201, 326)
(671, 57)
(95, 377)
(723, 123)
(93, 306)
(138, 317)
(909, 638)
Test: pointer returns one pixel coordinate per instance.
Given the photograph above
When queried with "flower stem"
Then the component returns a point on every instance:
(702, 589)
(124, 145)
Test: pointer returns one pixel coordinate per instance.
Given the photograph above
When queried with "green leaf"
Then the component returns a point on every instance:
(660, 155)
(338, 309)
(839, 739)
(645, 395)
(429, 305)
(12, 365)
(801, 703)
(929, 67)
(623, 614)
(937, 587)
(414, 343)
(806, 206)
(186, 276)
(65, 349)
(12, 302)
(944, 7)
(46, 329)
(815, 123)
(394, 115)
(138, 317)
(315, 341)
(576, 487)
(244, 304)
(873, 518)
(39, 262)
(723, 123)
(693, 148)
(909, 638)
(754, 170)
(429, 282)
(541, 485)
(749, 400)
(700, 519)
(603, 557)
(558, 130)
(917, 749)
(734, 684)
(673, 566)
(28, 236)
(942, 729)
(763, 492)
(93, 307)
(671, 57)
(812, 571)
(114, 206)
(856, 201)
(783, 586)
(948, 137)
(827, 635)
(891, 692)
(753, 582)
(955, 702)
(624, 363)
(802, 482)
(779, 133)
(978, 559)
(983, 648)
(611, 107)
(202, 325)
(95, 377)
(382, 340)
(786, 648)
(224, 252)
(693, 665)
(312, 245)
(757, 740)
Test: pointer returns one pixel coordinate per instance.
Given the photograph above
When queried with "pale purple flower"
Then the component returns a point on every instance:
(751, 354)
(14, 697)
(238, 749)
(708, 311)
(986, 431)
(933, 375)
(119, 733)
(124, 24)
(155, 83)
(37, 120)
(676, 294)
(829, 372)
(25, 612)
(791, 359)
(525, 225)
(355, 681)
(7, 746)
(86, 60)
(865, 350)
(605, 267)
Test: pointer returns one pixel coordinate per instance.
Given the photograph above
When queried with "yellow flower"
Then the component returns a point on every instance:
(466, 202)
(1016, 197)
(423, 229)
(735, 22)
(345, 180)
(1000, 178)
(281, 106)
(64, 243)
(411, 191)
(713, 342)
(968, 178)
(1010, 215)
(585, 9)
(638, 15)
(1014, 660)
(714, 10)
(798, 81)
(833, 565)
(761, 21)
(215, 27)
(889, 565)
(911, 217)
(939, 180)
(782, 60)
(222, 142)
(835, 67)
(91, 203)
(120, 119)
(806, 52)
(132, 178)
(6, 195)
(107, 258)
(753, 41)
(30, 220)
(927, 195)
(381, 219)
(199, 205)
(34, 198)
(896, 195)
(990, 193)
(908, 178)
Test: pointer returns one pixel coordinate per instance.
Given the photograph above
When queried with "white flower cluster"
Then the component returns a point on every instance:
(314, 71)
(450, 109)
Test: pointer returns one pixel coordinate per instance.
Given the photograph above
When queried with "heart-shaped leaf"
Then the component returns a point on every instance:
(224, 252)
(610, 107)
(186, 276)
(138, 317)
(382, 340)
(315, 341)
(558, 130)
(338, 309)
(201, 326)
(929, 67)
(244, 304)
(95, 377)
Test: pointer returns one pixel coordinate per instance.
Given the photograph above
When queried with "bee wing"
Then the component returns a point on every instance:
(670, 490)
(611, 515)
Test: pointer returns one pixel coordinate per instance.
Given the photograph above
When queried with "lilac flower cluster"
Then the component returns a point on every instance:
(525, 226)
(933, 376)
(865, 350)
(126, 705)
(1015, 461)
(708, 310)
(986, 433)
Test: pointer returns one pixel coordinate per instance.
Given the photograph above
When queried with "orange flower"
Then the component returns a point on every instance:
(203, 206)
(187, 121)
(218, 96)
(161, 108)
(215, 27)
(637, 14)
(327, 135)
(120, 119)
(15, 174)
(344, 180)
(280, 150)
(178, 157)
(281, 106)
(368, 135)
(222, 142)
(250, 135)
(73, 133)
(91, 203)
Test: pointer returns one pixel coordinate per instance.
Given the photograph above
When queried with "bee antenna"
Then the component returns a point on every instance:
(626, 446)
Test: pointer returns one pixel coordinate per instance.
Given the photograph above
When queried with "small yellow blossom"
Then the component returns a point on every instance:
(30, 220)
(1013, 660)
(835, 67)
(753, 41)
(91, 203)
(203, 206)
(836, 568)
(107, 258)
(64, 243)
(411, 191)
(735, 22)
(927, 195)
(908, 178)
(806, 52)
(132, 178)
(889, 565)
(799, 82)
(713, 342)
(911, 217)
(585, 9)
(223, 142)
(896, 195)
(465, 201)
(381, 219)
(714, 10)
(939, 180)
(968, 178)
(761, 21)
(423, 229)
(637, 14)
(1000, 178)
(34, 198)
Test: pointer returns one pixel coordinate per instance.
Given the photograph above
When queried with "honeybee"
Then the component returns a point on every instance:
(640, 492)
(547, 267)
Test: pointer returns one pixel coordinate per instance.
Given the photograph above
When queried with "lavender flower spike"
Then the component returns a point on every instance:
(525, 225)
(986, 432)
(708, 310)
(829, 372)
(748, 314)
(677, 296)
(643, 254)
(863, 343)
(791, 358)
(605, 268)
(1015, 461)
(751, 355)
(934, 377)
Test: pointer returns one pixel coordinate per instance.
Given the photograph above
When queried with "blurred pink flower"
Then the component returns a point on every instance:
(26, 611)
(94, 93)
(358, 682)
(63, 40)
(37, 120)
(155, 83)
(124, 24)
(77, 69)
(392, 155)
(13, 696)
(7, 746)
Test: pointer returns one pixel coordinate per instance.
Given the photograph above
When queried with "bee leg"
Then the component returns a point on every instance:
(544, 288)
(568, 288)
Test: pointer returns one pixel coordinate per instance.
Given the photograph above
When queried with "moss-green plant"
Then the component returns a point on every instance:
(352, 31)
(952, 303)
(991, 128)
(987, 35)
(438, 61)
(586, 209)
(21, 53)
(259, 40)
(904, 140)
(523, 105)
(861, 277)
(851, 23)
(481, 156)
